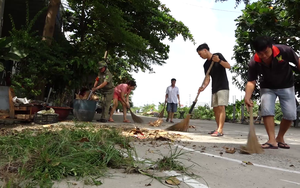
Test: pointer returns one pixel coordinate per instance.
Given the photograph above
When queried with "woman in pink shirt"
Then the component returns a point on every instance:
(121, 94)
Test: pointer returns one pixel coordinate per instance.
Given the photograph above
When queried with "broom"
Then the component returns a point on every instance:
(252, 144)
(134, 117)
(184, 124)
(161, 114)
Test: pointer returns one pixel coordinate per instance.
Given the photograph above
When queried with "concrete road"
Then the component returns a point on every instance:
(276, 168)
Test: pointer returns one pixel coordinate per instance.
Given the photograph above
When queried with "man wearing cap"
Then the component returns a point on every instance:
(220, 86)
(172, 94)
(106, 88)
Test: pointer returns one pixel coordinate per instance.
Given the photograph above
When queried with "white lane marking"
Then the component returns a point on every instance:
(186, 179)
(239, 161)
(291, 182)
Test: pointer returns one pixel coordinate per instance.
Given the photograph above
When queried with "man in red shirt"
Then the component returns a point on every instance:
(271, 65)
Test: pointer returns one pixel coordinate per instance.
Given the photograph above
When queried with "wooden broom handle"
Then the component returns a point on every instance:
(207, 74)
(251, 116)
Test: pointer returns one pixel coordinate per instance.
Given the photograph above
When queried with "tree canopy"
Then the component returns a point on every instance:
(279, 20)
(132, 32)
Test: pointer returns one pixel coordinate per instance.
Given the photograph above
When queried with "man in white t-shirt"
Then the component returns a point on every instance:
(172, 94)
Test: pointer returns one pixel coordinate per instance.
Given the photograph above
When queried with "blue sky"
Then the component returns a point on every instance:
(209, 22)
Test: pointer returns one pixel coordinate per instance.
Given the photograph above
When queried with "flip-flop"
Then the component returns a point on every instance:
(216, 134)
(283, 145)
(111, 120)
(270, 146)
(126, 121)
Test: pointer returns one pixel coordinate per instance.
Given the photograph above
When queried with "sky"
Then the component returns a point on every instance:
(209, 22)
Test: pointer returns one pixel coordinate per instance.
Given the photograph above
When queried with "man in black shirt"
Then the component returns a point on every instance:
(220, 88)
(271, 65)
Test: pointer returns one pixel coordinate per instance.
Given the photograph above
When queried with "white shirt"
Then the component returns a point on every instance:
(172, 94)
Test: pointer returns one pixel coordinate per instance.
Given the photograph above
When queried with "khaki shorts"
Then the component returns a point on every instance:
(220, 98)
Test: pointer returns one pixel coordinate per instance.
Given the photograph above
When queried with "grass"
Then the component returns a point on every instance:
(40, 157)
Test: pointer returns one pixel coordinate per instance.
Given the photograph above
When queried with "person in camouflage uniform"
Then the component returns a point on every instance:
(106, 88)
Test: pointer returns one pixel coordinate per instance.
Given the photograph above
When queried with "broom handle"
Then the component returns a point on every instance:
(128, 107)
(251, 116)
(207, 74)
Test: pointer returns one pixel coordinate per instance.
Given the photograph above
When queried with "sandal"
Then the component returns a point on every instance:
(283, 145)
(269, 146)
(126, 121)
(212, 132)
(216, 134)
(171, 121)
(111, 120)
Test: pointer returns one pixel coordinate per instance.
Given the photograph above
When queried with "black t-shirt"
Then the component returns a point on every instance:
(218, 74)
(279, 73)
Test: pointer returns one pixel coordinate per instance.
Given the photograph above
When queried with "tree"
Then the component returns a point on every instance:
(131, 31)
(278, 20)
(49, 27)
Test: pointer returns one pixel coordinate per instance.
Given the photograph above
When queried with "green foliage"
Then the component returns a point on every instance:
(43, 156)
(278, 113)
(147, 108)
(277, 19)
(171, 161)
(131, 31)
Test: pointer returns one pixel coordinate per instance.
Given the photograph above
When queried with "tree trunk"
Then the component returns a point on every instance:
(82, 25)
(50, 20)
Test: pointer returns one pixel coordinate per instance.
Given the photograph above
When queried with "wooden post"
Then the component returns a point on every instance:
(11, 94)
(242, 113)
(233, 115)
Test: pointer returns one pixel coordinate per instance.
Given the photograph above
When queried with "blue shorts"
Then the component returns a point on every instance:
(172, 107)
(287, 102)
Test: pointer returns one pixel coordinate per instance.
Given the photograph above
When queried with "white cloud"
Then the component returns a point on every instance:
(184, 63)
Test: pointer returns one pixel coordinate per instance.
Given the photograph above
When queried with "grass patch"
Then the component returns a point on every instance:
(40, 156)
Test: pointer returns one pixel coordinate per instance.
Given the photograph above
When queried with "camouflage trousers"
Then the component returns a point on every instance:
(105, 101)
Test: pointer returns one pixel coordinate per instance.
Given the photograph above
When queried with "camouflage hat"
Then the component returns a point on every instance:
(101, 64)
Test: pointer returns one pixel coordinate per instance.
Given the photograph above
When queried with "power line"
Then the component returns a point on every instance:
(216, 9)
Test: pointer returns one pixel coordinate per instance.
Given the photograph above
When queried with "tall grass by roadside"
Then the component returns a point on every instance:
(39, 157)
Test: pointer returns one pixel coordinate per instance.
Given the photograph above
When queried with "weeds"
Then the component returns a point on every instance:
(170, 162)
(43, 156)
(40, 157)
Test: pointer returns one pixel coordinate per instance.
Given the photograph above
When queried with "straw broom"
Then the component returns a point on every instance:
(161, 114)
(134, 117)
(184, 124)
(252, 144)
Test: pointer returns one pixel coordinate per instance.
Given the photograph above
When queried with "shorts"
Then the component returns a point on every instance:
(117, 95)
(220, 98)
(172, 107)
(287, 102)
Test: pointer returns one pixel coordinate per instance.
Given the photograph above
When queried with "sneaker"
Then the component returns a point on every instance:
(167, 120)
(102, 120)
